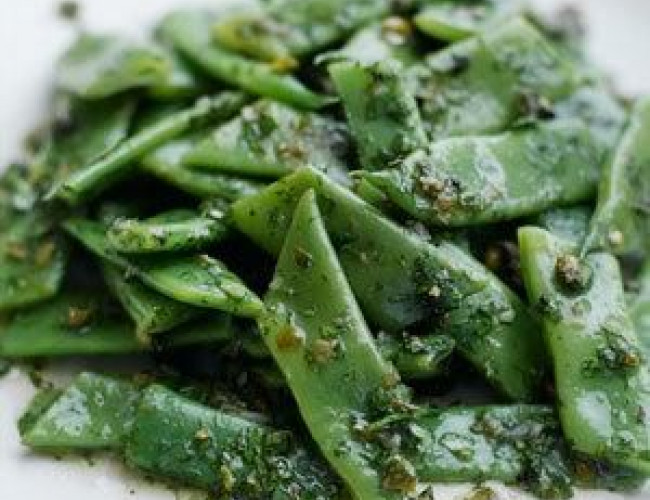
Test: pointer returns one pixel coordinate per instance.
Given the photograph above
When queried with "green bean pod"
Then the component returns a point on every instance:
(289, 29)
(602, 382)
(151, 312)
(166, 163)
(174, 437)
(176, 230)
(400, 279)
(620, 223)
(270, 139)
(197, 280)
(382, 112)
(465, 181)
(32, 260)
(73, 323)
(519, 444)
(318, 337)
(84, 323)
(95, 412)
(456, 20)
(485, 83)
(189, 33)
(86, 183)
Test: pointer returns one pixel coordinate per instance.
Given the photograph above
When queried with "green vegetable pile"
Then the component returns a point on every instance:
(321, 221)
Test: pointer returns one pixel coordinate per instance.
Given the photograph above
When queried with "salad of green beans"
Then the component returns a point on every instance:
(363, 247)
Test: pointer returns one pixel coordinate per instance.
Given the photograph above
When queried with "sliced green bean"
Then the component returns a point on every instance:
(400, 279)
(483, 84)
(100, 66)
(269, 139)
(382, 112)
(94, 412)
(317, 336)
(174, 437)
(86, 183)
(601, 380)
(189, 33)
(457, 20)
(512, 444)
(621, 221)
(287, 29)
(151, 312)
(198, 280)
(391, 39)
(476, 180)
(171, 231)
(166, 164)
(73, 323)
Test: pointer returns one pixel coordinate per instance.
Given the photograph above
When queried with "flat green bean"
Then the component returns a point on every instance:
(382, 112)
(465, 181)
(86, 183)
(73, 323)
(167, 232)
(601, 379)
(457, 20)
(174, 437)
(269, 139)
(485, 83)
(287, 29)
(151, 312)
(166, 164)
(317, 336)
(94, 412)
(189, 33)
(621, 223)
(197, 280)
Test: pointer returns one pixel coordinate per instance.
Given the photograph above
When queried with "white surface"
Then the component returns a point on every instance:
(31, 36)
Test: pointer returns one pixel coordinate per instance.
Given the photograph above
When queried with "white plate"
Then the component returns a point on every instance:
(31, 36)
